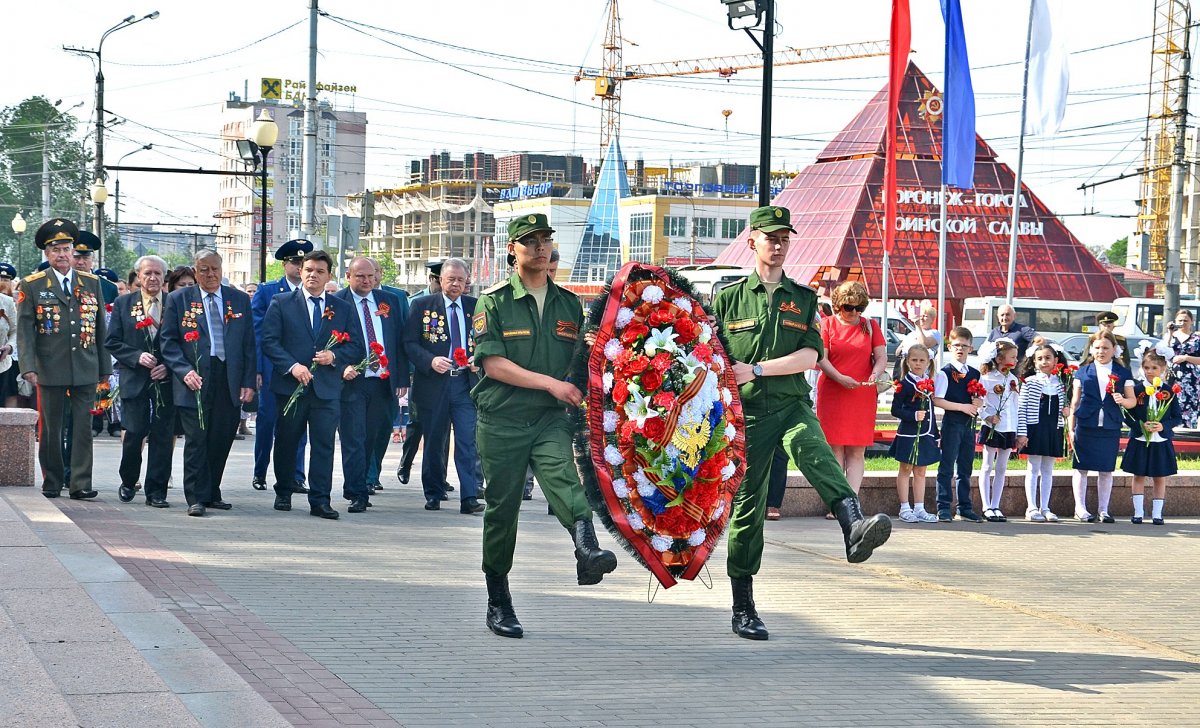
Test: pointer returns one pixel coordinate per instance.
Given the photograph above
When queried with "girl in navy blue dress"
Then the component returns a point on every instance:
(1101, 388)
(1040, 425)
(915, 446)
(1151, 453)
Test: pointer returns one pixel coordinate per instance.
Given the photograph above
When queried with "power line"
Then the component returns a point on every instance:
(215, 55)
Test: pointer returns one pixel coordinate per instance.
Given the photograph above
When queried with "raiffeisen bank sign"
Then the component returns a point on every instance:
(285, 89)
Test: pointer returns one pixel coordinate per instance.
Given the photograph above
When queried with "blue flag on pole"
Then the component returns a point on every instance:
(958, 116)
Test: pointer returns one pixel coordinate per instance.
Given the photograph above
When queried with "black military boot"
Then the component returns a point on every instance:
(593, 561)
(745, 618)
(862, 535)
(501, 618)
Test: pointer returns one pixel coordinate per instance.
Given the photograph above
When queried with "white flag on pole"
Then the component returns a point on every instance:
(1048, 74)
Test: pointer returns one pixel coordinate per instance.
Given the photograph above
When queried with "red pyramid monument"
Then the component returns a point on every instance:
(837, 208)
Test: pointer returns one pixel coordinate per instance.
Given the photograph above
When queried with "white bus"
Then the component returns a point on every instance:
(1054, 319)
(1144, 316)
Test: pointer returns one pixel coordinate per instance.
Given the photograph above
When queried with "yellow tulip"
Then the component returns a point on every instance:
(1158, 381)
(1150, 390)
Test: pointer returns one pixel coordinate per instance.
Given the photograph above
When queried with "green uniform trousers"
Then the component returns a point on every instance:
(507, 448)
(792, 424)
(56, 405)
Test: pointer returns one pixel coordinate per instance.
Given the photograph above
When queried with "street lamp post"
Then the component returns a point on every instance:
(18, 227)
(740, 10)
(263, 134)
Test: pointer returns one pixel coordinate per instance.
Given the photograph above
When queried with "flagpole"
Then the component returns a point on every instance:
(1016, 205)
(941, 284)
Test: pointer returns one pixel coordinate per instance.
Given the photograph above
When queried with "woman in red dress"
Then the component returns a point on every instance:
(847, 392)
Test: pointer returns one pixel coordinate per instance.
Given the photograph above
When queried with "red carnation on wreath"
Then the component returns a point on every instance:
(651, 381)
(661, 315)
(620, 392)
(661, 362)
(703, 352)
(635, 366)
(666, 400)
(460, 357)
(654, 428)
(686, 331)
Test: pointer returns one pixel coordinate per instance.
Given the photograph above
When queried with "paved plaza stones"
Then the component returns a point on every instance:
(377, 619)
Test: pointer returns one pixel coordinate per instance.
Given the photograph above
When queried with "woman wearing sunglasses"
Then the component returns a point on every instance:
(855, 358)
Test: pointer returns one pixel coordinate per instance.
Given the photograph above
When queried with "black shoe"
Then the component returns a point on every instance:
(357, 506)
(1105, 518)
(238, 436)
(51, 493)
(501, 618)
(1158, 521)
(376, 486)
(196, 510)
(219, 505)
(402, 475)
(299, 487)
(126, 493)
(259, 482)
(1136, 520)
(746, 622)
(470, 506)
(158, 503)
(433, 504)
(449, 488)
(372, 490)
(323, 512)
(84, 495)
(592, 562)
(969, 515)
(945, 515)
(96, 433)
(283, 501)
(443, 497)
(862, 535)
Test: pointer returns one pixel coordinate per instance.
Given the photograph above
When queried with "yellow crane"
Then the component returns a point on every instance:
(609, 79)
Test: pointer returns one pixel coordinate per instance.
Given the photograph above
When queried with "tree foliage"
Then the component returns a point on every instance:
(1118, 252)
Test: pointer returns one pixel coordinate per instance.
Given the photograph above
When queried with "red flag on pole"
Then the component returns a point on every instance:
(901, 44)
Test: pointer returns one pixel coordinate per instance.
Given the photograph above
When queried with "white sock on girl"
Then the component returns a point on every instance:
(1104, 483)
(1031, 482)
(1157, 505)
(1047, 481)
(1139, 506)
(1000, 465)
(1079, 486)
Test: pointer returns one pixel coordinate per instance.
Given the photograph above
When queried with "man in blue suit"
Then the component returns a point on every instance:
(437, 327)
(291, 253)
(378, 447)
(296, 339)
(369, 397)
(208, 343)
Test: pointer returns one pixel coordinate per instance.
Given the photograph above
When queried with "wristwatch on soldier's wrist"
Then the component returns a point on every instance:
(757, 370)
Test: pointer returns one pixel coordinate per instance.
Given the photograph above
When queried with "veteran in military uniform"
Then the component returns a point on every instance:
(60, 334)
(525, 332)
(773, 331)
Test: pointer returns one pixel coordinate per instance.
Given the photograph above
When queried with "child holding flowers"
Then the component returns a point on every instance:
(1100, 390)
(998, 435)
(1040, 426)
(915, 445)
(1151, 453)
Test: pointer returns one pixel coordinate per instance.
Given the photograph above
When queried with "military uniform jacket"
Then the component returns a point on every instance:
(506, 324)
(759, 329)
(61, 338)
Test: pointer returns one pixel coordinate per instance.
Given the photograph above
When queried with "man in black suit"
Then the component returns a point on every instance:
(412, 431)
(368, 395)
(135, 341)
(296, 340)
(208, 343)
(436, 331)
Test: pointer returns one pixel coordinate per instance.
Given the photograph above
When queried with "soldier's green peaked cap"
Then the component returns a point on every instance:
(521, 226)
(771, 218)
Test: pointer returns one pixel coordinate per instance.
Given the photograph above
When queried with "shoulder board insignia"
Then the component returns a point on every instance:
(499, 286)
(479, 323)
(36, 276)
(85, 274)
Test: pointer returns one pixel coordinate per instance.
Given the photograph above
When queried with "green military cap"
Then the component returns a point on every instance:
(771, 218)
(87, 243)
(55, 231)
(1108, 317)
(521, 226)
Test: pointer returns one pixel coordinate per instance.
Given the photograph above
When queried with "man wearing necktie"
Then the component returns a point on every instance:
(438, 327)
(296, 339)
(214, 375)
(60, 335)
(135, 341)
(367, 394)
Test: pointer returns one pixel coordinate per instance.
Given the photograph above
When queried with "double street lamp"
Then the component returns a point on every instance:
(257, 150)
(742, 11)
(18, 227)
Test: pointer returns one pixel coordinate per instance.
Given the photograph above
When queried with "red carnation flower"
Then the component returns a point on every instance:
(897, 386)
(191, 336)
(633, 332)
(144, 323)
(620, 392)
(703, 352)
(108, 307)
(661, 315)
(666, 400)
(626, 431)
(377, 348)
(385, 374)
(661, 362)
(460, 357)
(676, 523)
(686, 330)
(383, 361)
(654, 428)
(636, 366)
(651, 381)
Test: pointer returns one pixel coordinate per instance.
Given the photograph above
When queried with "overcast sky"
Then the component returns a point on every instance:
(498, 77)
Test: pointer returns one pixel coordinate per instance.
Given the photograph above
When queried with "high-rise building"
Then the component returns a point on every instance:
(341, 170)
(525, 167)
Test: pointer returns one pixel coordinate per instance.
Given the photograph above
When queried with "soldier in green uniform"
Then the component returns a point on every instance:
(525, 331)
(60, 334)
(773, 329)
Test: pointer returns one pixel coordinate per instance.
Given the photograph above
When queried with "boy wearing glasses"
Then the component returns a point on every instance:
(952, 393)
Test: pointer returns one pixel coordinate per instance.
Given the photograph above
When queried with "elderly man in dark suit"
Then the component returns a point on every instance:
(135, 341)
(437, 340)
(60, 336)
(208, 343)
(297, 339)
(368, 395)
(378, 441)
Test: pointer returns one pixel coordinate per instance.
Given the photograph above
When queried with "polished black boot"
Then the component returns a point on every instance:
(862, 535)
(501, 618)
(593, 561)
(746, 622)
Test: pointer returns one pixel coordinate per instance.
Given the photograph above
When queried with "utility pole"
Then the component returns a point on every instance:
(764, 154)
(308, 206)
(45, 174)
(1179, 172)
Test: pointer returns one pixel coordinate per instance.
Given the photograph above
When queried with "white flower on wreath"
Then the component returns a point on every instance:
(612, 455)
(661, 543)
(621, 488)
(624, 316)
(718, 511)
(728, 471)
(726, 396)
(635, 521)
(644, 487)
(698, 536)
(683, 303)
(652, 294)
(611, 418)
(706, 333)
(730, 430)
(661, 340)
(607, 379)
(638, 408)
(613, 349)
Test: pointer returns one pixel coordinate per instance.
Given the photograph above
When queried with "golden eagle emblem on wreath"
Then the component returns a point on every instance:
(931, 106)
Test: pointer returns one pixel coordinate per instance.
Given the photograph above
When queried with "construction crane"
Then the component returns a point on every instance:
(1166, 93)
(609, 79)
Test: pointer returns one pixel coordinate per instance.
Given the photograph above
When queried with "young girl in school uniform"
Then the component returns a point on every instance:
(915, 446)
(1152, 456)
(998, 435)
(1040, 423)
(1101, 388)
